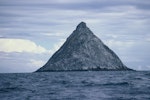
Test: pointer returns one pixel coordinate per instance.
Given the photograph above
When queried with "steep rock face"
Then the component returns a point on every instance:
(83, 51)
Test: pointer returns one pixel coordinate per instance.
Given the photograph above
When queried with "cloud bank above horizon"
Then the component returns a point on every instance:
(31, 31)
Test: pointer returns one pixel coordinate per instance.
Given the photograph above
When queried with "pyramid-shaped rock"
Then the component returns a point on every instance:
(83, 51)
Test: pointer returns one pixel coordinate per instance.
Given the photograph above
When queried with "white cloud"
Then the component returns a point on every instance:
(53, 34)
(119, 44)
(57, 46)
(148, 39)
(139, 68)
(20, 45)
(37, 63)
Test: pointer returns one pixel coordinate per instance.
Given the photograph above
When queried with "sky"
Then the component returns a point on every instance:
(32, 30)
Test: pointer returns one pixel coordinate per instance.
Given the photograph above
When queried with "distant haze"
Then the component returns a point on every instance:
(31, 31)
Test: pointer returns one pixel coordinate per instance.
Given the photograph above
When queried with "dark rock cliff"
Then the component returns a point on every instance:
(83, 51)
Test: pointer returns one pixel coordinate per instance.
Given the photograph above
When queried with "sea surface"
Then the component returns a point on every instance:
(93, 85)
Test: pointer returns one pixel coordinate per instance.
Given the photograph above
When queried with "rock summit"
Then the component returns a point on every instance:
(83, 51)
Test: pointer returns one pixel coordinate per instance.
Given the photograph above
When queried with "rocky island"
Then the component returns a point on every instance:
(83, 51)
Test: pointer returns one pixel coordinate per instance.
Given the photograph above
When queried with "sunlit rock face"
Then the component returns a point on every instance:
(83, 51)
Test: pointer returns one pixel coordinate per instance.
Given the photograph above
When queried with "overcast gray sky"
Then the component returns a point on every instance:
(32, 30)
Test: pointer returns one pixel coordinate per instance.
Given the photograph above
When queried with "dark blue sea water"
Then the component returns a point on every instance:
(94, 85)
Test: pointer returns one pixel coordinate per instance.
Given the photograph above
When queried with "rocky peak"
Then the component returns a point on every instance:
(83, 51)
(81, 32)
(81, 25)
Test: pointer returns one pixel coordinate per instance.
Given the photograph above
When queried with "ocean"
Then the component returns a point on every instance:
(84, 85)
